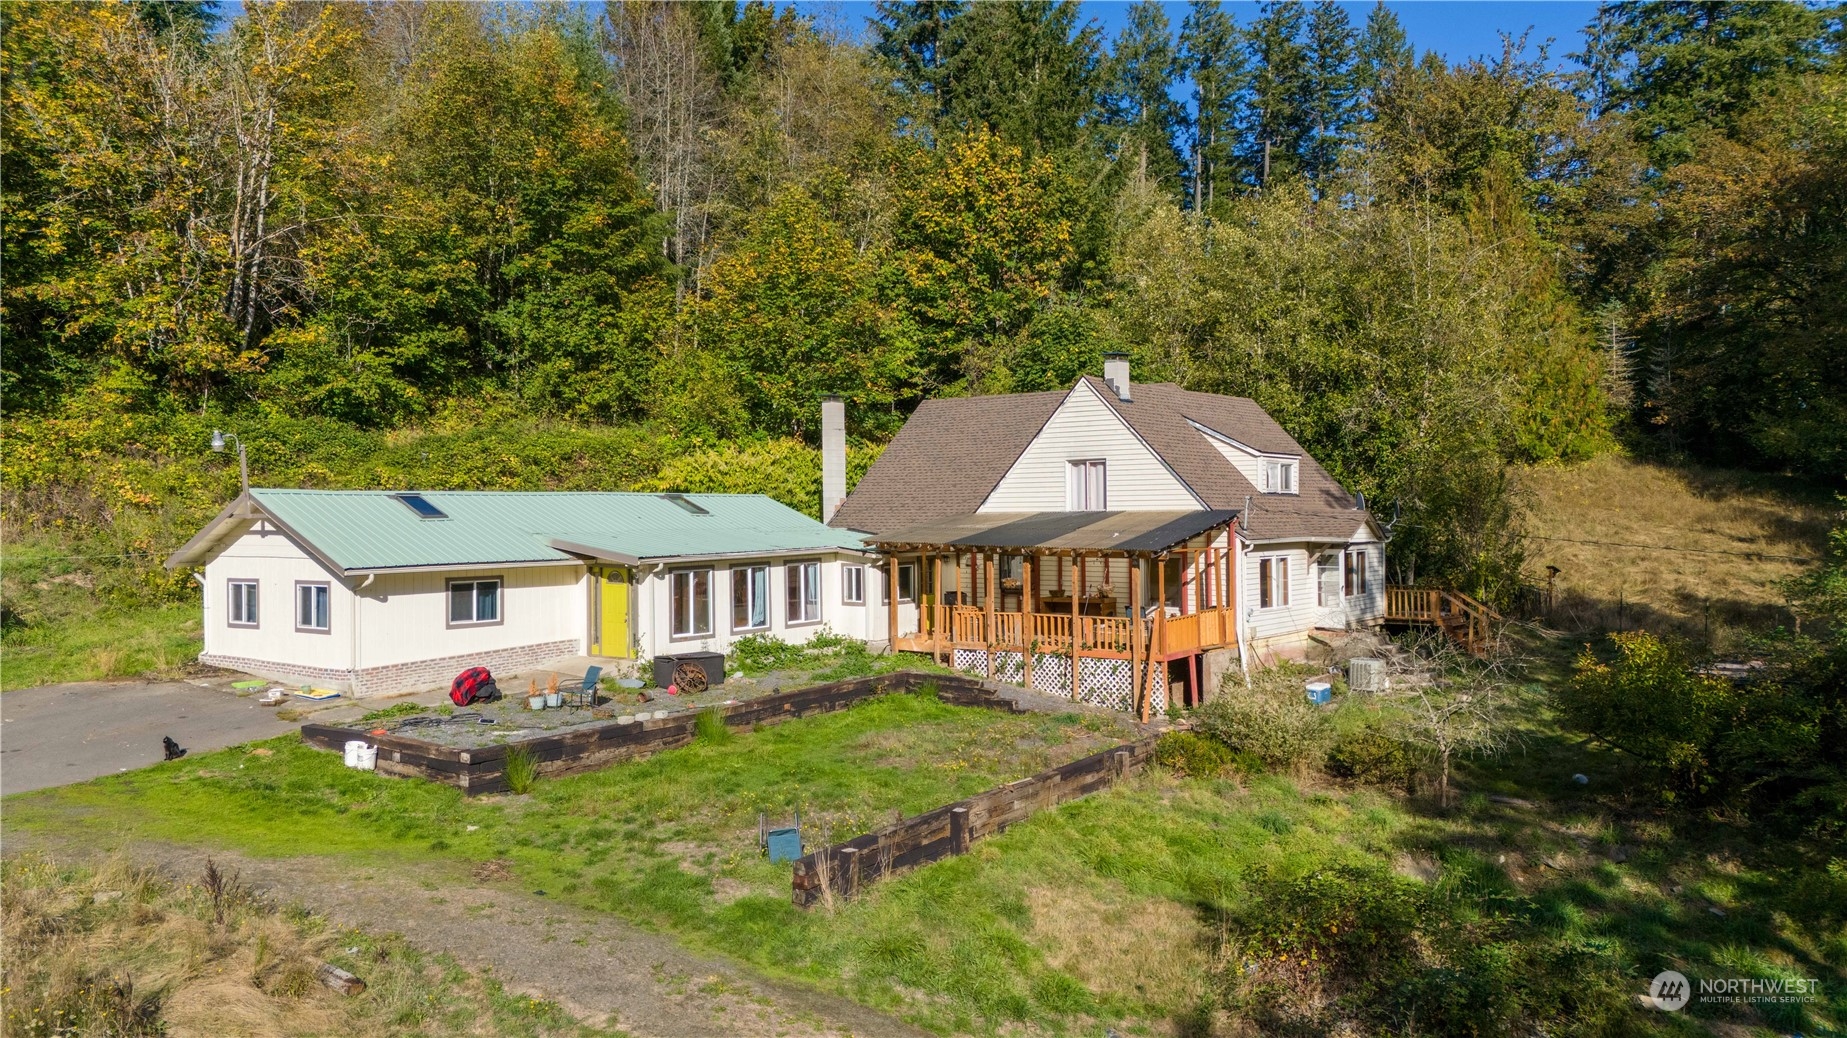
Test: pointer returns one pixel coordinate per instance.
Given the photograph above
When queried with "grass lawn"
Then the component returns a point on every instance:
(1167, 905)
(107, 643)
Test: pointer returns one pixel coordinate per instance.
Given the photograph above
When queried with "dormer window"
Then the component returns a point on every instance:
(1279, 476)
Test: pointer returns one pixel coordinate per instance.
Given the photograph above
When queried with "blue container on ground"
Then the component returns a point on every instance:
(1320, 693)
(785, 844)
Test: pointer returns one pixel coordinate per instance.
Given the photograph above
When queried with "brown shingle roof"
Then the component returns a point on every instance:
(953, 452)
(947, 458)
(1159, 413)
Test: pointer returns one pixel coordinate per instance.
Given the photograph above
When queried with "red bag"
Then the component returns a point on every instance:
(470, 685)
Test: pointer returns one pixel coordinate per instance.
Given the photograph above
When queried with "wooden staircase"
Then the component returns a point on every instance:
(1466, 621)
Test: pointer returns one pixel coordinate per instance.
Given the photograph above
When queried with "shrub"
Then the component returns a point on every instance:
(1271, 720)
(1371, 756)
(522, 770)
(1194, 755)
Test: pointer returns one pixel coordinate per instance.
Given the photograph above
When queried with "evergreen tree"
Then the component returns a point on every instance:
(1280, 123)
(1213, 59)
(1139, 99)
(1381, 50)
(1600, 62)
(1330, 87)
(1025, 69)
(1704, 64)
(913, 37)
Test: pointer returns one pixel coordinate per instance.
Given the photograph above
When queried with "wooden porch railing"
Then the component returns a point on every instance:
(1461, 617)
(1051, 632)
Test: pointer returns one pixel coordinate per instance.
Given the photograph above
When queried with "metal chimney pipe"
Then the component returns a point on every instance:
(833, 455)
(1116, 373)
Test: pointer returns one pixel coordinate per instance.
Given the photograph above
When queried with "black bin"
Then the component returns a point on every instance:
(713, 663)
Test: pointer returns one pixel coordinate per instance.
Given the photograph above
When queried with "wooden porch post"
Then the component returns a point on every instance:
(941, 612)
(1160, 624)
(1137, 701)
(992, 588)
(1077, 593)
(891, 601)
(1029, 572)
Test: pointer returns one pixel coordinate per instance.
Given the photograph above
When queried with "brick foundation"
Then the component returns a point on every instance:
(398, 677)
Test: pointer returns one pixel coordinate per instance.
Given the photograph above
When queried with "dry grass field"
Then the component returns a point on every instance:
(1696, 552)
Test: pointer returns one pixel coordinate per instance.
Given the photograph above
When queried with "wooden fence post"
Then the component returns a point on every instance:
(849, 871)
(958, 830)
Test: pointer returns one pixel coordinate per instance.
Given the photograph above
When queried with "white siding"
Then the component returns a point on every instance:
(1085, 428)
(1299, 615)
(1245, 462)
(405, 616)
(653, 604)
(1303, 612)
(268, 556)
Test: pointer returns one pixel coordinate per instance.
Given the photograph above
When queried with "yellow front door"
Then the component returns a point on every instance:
(610, 623)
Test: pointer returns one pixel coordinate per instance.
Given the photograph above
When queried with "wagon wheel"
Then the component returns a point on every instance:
(689, 678)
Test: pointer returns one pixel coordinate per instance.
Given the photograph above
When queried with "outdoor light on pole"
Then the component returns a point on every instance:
(243, 463)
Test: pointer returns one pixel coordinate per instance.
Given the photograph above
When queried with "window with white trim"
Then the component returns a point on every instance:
(690, 599)
(803, 592)
(750, 598)
(1356, 572)
(1087, 486)
(1273, 582)
(474, 601)
(1279, 476)
(311, 607)
(241, 598)
(853, 584)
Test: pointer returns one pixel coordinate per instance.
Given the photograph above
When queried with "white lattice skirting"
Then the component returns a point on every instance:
(1052, 675)
(1101, 682)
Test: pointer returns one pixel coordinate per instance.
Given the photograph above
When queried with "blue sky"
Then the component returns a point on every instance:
(1456, 29)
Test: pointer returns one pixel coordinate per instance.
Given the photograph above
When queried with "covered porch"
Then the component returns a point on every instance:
(1118, 609)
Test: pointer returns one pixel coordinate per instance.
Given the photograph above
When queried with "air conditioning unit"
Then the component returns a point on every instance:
(1366, 674)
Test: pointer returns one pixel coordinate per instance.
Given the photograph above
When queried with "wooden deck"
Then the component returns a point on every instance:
(1464, 619)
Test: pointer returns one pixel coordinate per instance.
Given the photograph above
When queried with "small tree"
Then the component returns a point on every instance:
(1454, 705)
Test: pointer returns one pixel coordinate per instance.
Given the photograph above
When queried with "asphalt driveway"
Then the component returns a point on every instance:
(57, 734)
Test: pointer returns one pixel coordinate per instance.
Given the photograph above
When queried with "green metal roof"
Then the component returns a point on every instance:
(359, 530)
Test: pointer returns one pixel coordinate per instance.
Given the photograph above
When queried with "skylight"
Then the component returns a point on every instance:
(421, 505)
(685, 502)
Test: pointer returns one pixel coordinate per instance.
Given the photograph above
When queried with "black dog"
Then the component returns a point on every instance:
(174, 750)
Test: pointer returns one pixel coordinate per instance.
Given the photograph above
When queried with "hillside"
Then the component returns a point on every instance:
(1689, 550)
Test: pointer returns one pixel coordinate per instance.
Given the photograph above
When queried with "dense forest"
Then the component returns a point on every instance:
(527, 245)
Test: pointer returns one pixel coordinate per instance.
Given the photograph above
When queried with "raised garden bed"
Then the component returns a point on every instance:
(480, 769)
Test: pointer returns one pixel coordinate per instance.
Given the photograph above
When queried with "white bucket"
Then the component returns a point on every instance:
(368, 758)
(352, 752)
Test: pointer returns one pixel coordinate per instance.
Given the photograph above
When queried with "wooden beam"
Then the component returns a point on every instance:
(1160, 622)
(891, 601)
(991, 640)
(1137, 702)
(941, 613)
(1077, 596)
(1029, 576)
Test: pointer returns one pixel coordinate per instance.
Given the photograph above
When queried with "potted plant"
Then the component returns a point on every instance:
(535, 700)
(553, 697)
